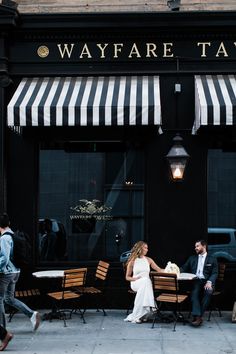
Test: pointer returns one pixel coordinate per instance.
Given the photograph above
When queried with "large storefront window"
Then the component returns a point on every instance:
(221, 189)
(94, 199)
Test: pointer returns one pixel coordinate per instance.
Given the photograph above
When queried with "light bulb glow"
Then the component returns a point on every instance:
(177, 173)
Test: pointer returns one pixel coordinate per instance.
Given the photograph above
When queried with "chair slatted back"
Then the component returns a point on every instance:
(165, 282)
(27, 293)
(221, 272)
(101, 271)
(74, 277)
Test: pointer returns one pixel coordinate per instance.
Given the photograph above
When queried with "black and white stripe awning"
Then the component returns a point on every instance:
(86, 101)
(215, 100)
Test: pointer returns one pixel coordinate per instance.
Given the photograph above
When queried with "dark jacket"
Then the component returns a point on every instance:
(210, 269)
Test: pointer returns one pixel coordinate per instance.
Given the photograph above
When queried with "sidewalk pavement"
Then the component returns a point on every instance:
(111, 335)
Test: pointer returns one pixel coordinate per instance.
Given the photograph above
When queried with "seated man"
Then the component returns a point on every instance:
(206, 269)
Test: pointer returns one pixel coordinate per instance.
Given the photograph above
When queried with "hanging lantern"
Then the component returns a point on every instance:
(177, 158)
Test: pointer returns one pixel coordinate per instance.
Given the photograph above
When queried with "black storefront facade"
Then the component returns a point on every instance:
(90, 104)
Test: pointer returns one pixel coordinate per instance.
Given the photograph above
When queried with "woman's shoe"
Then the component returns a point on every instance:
(137, 321)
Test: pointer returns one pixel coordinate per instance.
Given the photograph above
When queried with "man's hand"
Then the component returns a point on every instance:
(208, 285)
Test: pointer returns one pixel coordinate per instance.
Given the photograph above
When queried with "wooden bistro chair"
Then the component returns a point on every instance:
(165, 285)
(97, 291)
(73, 279)
(218, 291)
(25, 295)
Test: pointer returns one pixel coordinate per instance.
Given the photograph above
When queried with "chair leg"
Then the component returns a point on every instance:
(102, 302)
(11, 314)
(175, 317)
(81, 313)
(157, 314)
(154, 320)
(64, 318)
(210, 311)
(209, 315)
(82, 316)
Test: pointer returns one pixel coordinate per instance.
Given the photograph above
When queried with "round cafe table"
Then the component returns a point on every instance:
(186, 276)
(186, 281)
(49, 274)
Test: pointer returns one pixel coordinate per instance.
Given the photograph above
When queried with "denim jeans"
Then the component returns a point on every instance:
(7, 292)
(3, 332)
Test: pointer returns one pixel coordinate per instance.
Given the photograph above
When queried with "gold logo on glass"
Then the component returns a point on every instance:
(43, 51)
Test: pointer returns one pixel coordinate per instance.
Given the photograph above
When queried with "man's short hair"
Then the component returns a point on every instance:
(4, 220)
(202, 242)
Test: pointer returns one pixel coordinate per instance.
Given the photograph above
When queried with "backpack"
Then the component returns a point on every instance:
(21, 249)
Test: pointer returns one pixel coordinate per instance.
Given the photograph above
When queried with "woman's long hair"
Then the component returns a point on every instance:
(136, 251)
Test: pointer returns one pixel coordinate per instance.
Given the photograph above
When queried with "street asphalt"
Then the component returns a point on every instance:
(111, 335)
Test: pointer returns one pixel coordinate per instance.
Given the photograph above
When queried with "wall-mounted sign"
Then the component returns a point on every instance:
(95, 53)
(136, 50)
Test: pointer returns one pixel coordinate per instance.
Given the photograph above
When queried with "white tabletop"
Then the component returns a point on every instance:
(186, 276)
(49, 274)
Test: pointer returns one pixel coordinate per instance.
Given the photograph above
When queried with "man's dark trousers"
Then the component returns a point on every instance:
(200, 297)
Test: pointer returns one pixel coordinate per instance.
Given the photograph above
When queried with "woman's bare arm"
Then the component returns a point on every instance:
(154, 266)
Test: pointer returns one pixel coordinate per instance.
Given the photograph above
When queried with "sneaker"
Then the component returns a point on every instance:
(35, 320)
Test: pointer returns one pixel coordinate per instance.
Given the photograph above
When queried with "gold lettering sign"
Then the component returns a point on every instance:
(221, 50)
(203, 46)
(65, 49)
(167, 50)
(131, 51)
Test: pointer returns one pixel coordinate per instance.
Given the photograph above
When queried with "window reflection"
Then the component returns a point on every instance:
(221, 188)
(69, 177)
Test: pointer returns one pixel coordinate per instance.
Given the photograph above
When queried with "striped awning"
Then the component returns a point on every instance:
(86, 101)
(215, 100)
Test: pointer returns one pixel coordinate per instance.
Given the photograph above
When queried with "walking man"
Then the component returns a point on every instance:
(9, 275)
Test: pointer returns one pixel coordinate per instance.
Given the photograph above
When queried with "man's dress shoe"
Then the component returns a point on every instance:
(197, 321)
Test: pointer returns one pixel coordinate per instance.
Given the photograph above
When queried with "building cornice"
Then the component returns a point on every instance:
(161, 20)
(8, 17)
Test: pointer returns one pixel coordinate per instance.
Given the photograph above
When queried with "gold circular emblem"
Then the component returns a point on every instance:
(43, 51)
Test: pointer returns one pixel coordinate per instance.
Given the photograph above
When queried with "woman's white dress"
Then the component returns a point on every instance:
(144, 299)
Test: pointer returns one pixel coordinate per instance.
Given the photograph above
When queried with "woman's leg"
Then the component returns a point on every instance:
(144, 299)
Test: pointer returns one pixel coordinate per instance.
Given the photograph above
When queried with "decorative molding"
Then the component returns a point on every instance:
(8, 16)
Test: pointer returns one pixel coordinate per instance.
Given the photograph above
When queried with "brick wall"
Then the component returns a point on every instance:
(46, 6)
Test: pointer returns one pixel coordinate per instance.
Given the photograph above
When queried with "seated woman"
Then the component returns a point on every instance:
(137, 272)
